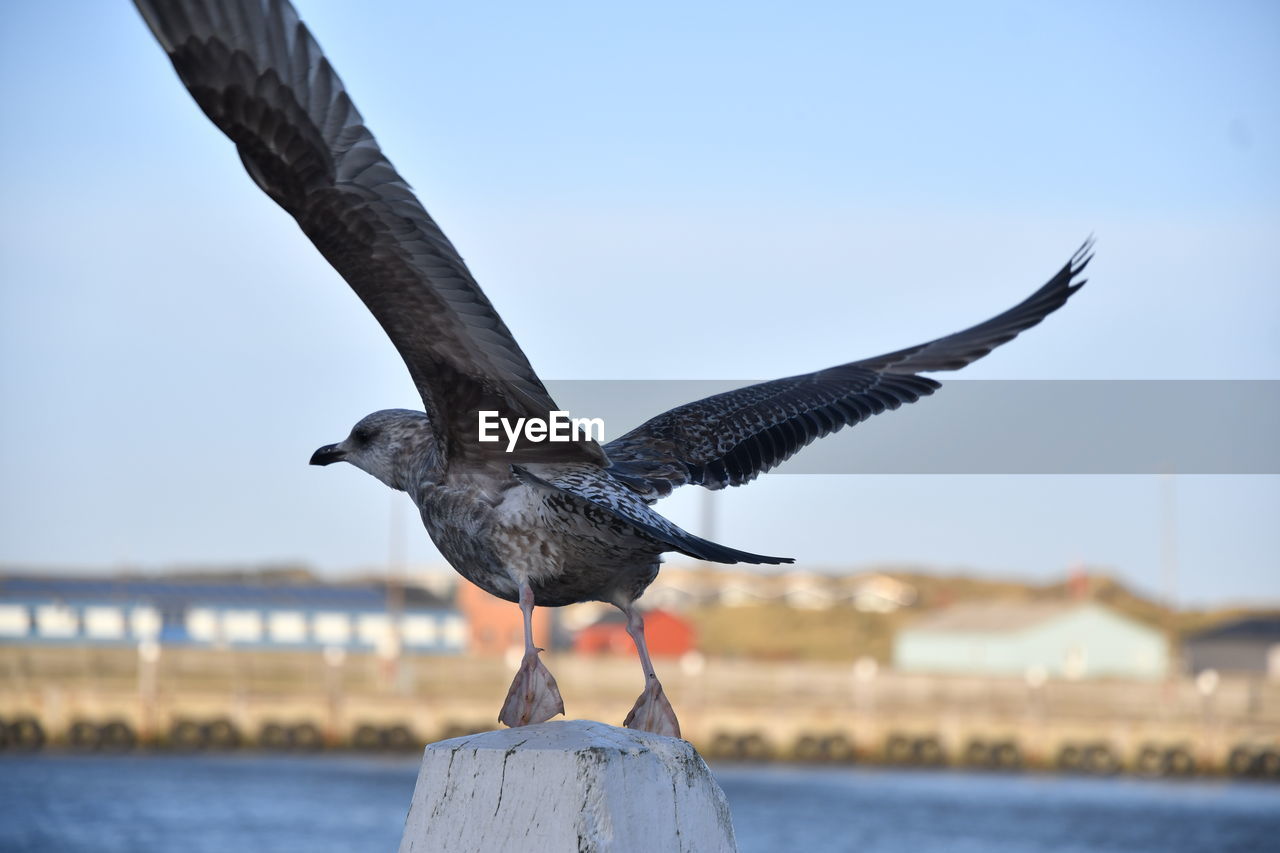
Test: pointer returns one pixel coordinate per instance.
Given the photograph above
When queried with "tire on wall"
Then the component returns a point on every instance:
(1178, 761)
(753, 746)
(25, 734)
(1241, 761)
(84, 736)
(928, 752)
(1150, 760)
(1267, 764)
(117, 736)
(455, 729)
(724, 746)
(274, 737)
(366, 738)
(398, 738)
(306, 737)
(838, 749)
(898, 749)
(977, 753)
(1070, 758)
(807, 749)
(1006, 755)
(188, 736)
(1100, 760)
(222, 734)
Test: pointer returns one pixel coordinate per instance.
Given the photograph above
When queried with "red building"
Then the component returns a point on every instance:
(496, 626)
(667, 635)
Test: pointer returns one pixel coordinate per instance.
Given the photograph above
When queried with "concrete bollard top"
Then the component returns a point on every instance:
(568, 785)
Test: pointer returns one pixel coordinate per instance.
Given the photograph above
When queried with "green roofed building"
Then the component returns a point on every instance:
(1034, 639)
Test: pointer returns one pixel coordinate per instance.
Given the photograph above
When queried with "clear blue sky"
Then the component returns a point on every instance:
(720, 190)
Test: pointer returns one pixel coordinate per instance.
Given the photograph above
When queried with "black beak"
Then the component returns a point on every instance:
(328, 454)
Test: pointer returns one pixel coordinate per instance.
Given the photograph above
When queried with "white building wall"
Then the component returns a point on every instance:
(1087, 642)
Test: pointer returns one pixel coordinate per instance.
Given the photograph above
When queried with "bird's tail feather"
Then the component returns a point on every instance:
(703, 549)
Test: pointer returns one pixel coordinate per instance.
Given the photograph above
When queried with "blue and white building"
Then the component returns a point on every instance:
(81, 611)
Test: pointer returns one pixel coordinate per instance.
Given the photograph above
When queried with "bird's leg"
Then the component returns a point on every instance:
(533, 697)
(652, 712)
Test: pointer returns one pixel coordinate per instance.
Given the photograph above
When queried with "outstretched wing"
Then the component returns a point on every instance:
(256, 71)
(731, 438)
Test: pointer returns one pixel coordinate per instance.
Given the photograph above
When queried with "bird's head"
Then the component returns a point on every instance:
(395, 445)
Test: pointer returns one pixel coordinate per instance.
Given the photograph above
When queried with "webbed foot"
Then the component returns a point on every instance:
(533, 697)
(653, 713)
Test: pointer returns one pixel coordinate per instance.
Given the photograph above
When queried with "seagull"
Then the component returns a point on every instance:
(537, 523)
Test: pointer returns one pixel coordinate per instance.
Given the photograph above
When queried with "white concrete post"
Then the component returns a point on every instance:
(571, 785)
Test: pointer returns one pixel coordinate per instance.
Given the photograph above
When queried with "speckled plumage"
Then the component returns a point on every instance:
(572, 530)
(550, 523)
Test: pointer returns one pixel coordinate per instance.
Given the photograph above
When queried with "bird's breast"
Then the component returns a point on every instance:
(567, 549)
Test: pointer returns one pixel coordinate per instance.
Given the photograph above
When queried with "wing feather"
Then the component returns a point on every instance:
(730, 439)
(256, 71)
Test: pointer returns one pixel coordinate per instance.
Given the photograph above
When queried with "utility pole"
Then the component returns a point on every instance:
(1169, 572)
(397, 549)
(708, 528)
(708, 523)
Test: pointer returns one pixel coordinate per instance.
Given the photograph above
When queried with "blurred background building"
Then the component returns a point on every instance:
(229, 614)
(894, 664)
(1059, 639)
(1248, 645)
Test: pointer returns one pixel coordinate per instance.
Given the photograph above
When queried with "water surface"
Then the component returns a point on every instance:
(250, 803)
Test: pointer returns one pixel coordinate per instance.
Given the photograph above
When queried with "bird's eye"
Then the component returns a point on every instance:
(363, 436)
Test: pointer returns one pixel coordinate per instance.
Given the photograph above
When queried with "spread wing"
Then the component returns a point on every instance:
(258, 74)
(729, 439)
